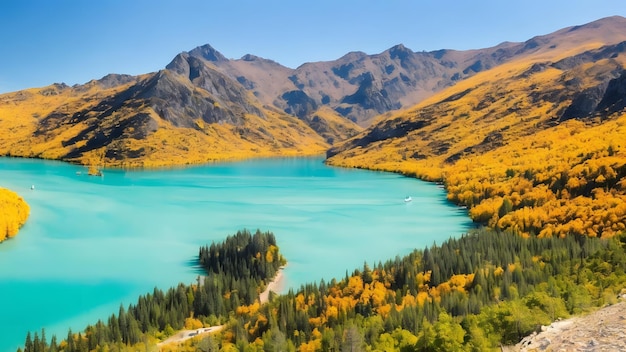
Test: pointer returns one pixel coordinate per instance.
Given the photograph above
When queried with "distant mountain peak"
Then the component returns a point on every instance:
(208, 53)
(353, 56)
(399, 47)
(254, 58)
(250, 57)
(400, 51)
(179, 64)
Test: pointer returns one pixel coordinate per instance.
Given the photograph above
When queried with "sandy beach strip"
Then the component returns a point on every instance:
(276, 285)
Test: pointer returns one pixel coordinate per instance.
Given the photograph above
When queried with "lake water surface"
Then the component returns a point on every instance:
(93, 243)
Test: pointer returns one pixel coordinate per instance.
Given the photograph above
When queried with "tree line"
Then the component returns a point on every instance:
(471, 293)
(476, 292)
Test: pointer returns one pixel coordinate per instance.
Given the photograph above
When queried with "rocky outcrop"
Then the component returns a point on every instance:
(614, 98)
(584, 104)
(298, 103)
(603, 330)
(602, 100)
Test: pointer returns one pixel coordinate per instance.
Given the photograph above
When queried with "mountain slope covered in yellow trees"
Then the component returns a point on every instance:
(166, 118)
(534, 145)
(13, 213)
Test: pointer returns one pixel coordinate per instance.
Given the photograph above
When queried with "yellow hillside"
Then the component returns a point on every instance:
(13, 213)
(170, 145)
(90, 126)
(22, 111)
(500, 145)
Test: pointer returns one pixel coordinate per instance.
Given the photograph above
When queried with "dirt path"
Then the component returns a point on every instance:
(188, 334)
(602, 330)
(276, 285)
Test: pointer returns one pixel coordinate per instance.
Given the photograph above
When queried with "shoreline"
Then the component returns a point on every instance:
(276, 285)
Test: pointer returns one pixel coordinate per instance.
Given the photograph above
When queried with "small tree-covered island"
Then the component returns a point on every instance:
(474, 293)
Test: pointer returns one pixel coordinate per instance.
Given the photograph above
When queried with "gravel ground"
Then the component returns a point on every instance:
(602, 330)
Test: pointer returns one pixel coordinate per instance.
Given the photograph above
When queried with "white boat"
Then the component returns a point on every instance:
(408, 199)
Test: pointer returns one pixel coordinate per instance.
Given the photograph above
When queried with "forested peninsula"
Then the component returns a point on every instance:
(235, 271)
(14, 212)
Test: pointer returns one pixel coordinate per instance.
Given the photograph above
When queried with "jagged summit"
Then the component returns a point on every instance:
(207, 52)
(400, 51)
(250, 57)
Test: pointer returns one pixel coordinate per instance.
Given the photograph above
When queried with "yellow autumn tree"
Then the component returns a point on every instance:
(13, 213)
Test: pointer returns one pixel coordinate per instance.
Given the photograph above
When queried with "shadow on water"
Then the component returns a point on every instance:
(193, 266)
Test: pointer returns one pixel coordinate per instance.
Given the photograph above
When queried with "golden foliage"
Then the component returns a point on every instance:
(27, 132)
(193, 324)
(14, 212)
(248, 310)
(496, 143)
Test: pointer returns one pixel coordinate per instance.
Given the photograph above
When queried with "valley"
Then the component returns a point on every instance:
(528, 137)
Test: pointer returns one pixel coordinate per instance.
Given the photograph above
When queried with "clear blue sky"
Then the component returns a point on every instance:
(73, 41)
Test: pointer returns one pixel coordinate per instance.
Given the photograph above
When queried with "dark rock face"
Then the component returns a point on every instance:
(189, 89)
(475, 67)
(218, 100)
(369, 97)
(614, 98)
(584, 104)
(299, 104)
(604, 99)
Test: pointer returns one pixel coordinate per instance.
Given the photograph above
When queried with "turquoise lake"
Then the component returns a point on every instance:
(93, 243)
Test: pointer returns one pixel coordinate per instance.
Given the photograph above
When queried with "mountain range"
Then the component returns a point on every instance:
(203, 106)
(576, 73)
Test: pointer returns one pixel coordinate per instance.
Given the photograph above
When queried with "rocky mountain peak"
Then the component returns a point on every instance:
(112, 80)
(353, 56)
(179, 64)
(400, 52)
(208, 53)
(250, 57)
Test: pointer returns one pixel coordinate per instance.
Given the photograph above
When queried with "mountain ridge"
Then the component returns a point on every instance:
(238, 106)
(360, 87)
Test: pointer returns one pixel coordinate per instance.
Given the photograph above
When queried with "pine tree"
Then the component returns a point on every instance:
(28, 344)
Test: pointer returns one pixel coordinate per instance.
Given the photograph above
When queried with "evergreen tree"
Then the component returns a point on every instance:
(28, 344)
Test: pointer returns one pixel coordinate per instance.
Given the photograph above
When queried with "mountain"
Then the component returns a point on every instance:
(187, 113)
(534, 144)
(357, 86)
(203, 106)
(360, 87)
(575, 73)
